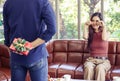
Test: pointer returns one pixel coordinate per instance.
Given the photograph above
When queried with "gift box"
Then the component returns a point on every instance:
(21, 46)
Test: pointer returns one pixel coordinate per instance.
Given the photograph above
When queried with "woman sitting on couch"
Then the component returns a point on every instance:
(96, 66)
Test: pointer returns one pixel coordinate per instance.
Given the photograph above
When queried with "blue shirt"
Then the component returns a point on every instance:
(28, 19)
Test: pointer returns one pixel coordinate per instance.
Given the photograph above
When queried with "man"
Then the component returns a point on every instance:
(34, 21)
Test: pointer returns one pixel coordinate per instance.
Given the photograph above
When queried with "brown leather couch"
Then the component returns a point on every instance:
(66, 57)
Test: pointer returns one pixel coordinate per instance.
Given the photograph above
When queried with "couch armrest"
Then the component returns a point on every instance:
(49, 47)
(3, 76)
(4, 55)
(0, 63)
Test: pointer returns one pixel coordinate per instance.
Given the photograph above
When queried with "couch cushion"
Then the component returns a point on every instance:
(3, 77)
(60, 46)
(5, 62)
(118, 48)
(4, 56)
(74, 57)
(60, 57)
(75, 51)
(76, 46)
(112, 58)
(118, 54)
(67, 68)
(53, 69)
(6, 72)
(50, 58)
(4, 51)
(79, 72)
(115, 71)
(112, 47)
(112, 52)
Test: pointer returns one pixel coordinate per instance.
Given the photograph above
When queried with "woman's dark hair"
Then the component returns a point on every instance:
(91, 30)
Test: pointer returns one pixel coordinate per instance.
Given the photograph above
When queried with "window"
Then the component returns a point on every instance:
(1, 27)
(69, 11)
(71, 15)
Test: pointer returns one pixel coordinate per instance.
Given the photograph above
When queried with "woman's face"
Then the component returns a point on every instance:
(95, 22)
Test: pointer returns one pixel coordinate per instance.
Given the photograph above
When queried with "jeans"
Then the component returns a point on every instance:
(38, 71)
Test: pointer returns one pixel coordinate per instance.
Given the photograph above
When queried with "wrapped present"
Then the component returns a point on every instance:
(21, 46)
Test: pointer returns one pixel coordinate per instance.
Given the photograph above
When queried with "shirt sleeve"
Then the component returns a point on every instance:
(6, 27)
(49, 18)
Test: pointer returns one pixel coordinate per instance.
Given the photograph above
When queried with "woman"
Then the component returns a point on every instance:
(96, 66)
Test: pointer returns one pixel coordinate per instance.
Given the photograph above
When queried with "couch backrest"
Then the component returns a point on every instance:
(65, 51)
(75, 51)
(112, 52)
(60, 49)
(117, 54)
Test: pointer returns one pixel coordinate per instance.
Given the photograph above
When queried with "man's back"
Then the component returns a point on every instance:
(28, 20)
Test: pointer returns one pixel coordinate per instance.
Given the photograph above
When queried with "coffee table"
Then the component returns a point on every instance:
(81, 80)
(55, 79)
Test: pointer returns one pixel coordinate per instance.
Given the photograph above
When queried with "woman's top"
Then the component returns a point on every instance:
(98, 46)
(28, 20)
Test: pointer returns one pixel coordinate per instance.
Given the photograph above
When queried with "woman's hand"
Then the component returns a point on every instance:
(105, 34)
(88, 23)
(102, 24)
(86, 29)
